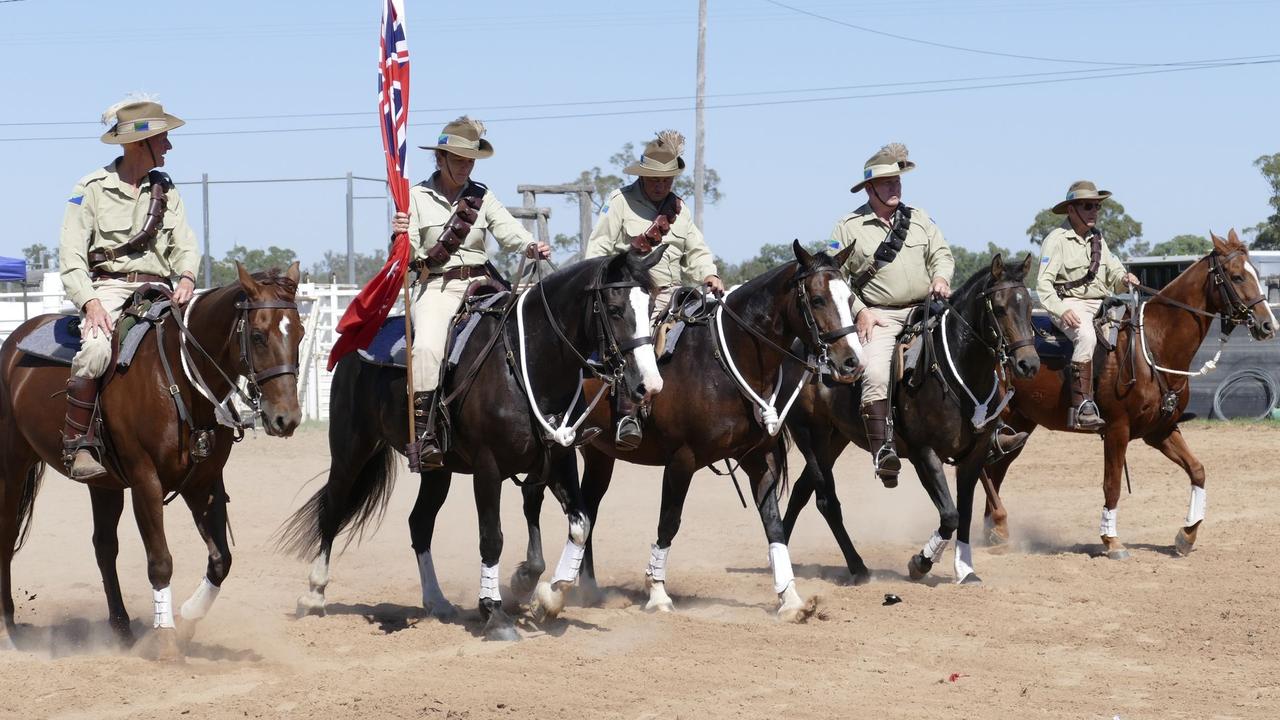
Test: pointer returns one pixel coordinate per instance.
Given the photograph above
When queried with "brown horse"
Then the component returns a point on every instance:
(161, 431)
(1144, 384)
(713, 407)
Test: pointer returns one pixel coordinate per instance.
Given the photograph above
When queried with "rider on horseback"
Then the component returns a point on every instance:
(642, 215)
(124, 226)
(448, 217)
(900, 260)
(1078, 270)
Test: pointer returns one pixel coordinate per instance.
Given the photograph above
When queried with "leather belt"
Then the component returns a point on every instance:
(133, 277)
(461, 272)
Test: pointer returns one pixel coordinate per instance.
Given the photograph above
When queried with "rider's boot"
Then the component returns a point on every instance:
(1004, 441)
(79, 439)
(1084, 413)
(424, 452)
(629, 434)
(875, 415)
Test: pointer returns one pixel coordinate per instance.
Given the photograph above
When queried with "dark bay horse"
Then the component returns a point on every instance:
(713, 407)
(505, 402)
(937, 414)
(1144, 384)
(249, 329)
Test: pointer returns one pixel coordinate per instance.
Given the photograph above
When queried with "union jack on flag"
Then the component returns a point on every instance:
(367, 311)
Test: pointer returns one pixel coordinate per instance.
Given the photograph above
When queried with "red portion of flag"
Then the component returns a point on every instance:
(367, 311)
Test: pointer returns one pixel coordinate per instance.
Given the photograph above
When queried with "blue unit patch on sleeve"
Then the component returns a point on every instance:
(604, 210)
(76, 199)
(1044, 260)
(833, 244)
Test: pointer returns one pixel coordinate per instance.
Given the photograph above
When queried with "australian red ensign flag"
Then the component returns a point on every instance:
(369, 309)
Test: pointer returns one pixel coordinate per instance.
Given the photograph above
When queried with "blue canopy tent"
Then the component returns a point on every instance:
(13, 269)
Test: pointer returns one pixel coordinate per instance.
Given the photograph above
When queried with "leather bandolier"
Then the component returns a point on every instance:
(141, 242)
(889, 248)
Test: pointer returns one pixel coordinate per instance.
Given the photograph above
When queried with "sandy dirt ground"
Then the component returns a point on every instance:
(1056, 631)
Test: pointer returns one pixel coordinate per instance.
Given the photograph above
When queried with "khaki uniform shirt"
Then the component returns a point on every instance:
(429, 211)
(627, 213)
(104, 212)
(905, 281)
(1064, 256)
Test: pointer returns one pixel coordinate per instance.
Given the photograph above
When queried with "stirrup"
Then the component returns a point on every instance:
(1077, 423)
(629, 435)
(888, 464)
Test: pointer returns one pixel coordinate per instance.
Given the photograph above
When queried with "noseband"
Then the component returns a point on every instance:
(820, 341)
(1235, 310)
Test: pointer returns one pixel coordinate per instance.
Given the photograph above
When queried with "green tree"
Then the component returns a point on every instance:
(1267, 232)
(770, 256)
(969, 262)
(334, 265)
(1116, 225)
(224, 270)
(35, 254)
(1183, 245)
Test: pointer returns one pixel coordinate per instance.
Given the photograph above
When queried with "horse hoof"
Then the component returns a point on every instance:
(442, 610)
(970, 579)
(1183, 543)
(547, 603)
(1118, 554)
(524, 582)
(861, 577)
(310, 604)
(161, 644)
(660, 606)
(918, 566)
(996, 538)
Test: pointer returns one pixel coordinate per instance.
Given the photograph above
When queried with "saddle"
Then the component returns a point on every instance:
(1054, 346)
(689, 306)
(59, 341)
(483, 296)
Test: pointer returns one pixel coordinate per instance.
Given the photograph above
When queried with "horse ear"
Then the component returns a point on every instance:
(1027, 260)
(842, 256)
(1219, 244)
(246, 280)
(997, 267)
(294, 272)
(802, 256)
(1233, 238)
(648, 261)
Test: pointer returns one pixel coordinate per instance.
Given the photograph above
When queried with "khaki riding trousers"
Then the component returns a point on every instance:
(437, 302)
(94, 357)
(879, 352)
(1084, 336)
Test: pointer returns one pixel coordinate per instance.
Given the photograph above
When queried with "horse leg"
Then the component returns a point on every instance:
(675, 488)
(488, 494)
(1115, 443)
(829, 506)
(995, 517)
(432, 491)
(934, 480)
(1174, 446)
(148, 510)
(549, 602)
(803, 487)
(108, 505)
(20, 480)
(525, 579)
(597, 473)
(766, 468)
(209, 509)
(966, 487)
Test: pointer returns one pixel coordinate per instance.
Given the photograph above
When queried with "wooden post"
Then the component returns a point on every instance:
(208, 260)
(530, 201)
(351, 230)
(700, 134)
(584, 222)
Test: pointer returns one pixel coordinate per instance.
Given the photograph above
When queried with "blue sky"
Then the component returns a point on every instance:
(1176, 147)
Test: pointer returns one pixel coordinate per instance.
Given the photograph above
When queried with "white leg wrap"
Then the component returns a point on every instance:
(489, 583)
(932, 550)
(197, 606)
(1195, 511)
(780, 561)
(964, 560)
(319, 576)
(657, 563)
(570, 562)
(164, 607)
(1108, 528)
(432, 595)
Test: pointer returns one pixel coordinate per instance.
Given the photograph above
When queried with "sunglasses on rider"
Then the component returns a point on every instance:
(1089, 206)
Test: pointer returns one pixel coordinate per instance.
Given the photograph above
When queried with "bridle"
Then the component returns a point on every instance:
(818, 340)
(256, 377)
(1235, 310)
(998, 345)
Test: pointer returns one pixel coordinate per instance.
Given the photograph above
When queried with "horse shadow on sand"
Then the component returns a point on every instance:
(78, 637)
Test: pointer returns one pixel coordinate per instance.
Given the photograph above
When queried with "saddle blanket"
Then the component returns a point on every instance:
(387, 347)
(56, 341)
(1050, 341)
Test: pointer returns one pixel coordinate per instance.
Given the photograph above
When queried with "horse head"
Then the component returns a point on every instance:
(270, 333)
(1009, 318)
(625, 289)
(823, 315)
(1240, 296)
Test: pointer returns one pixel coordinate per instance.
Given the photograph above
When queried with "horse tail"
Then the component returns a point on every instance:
(782, 450)
(363, 507)
(27, 502)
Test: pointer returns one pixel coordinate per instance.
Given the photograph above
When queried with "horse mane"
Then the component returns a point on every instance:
(284, 286)
(1012, 271)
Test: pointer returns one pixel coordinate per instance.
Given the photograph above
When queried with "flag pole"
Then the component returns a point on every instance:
(408, 357)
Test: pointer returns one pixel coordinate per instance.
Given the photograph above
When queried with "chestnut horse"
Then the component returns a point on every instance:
(712, 408)
(157, 422)
(498, 428)
(1144, 384)
(937, 414)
